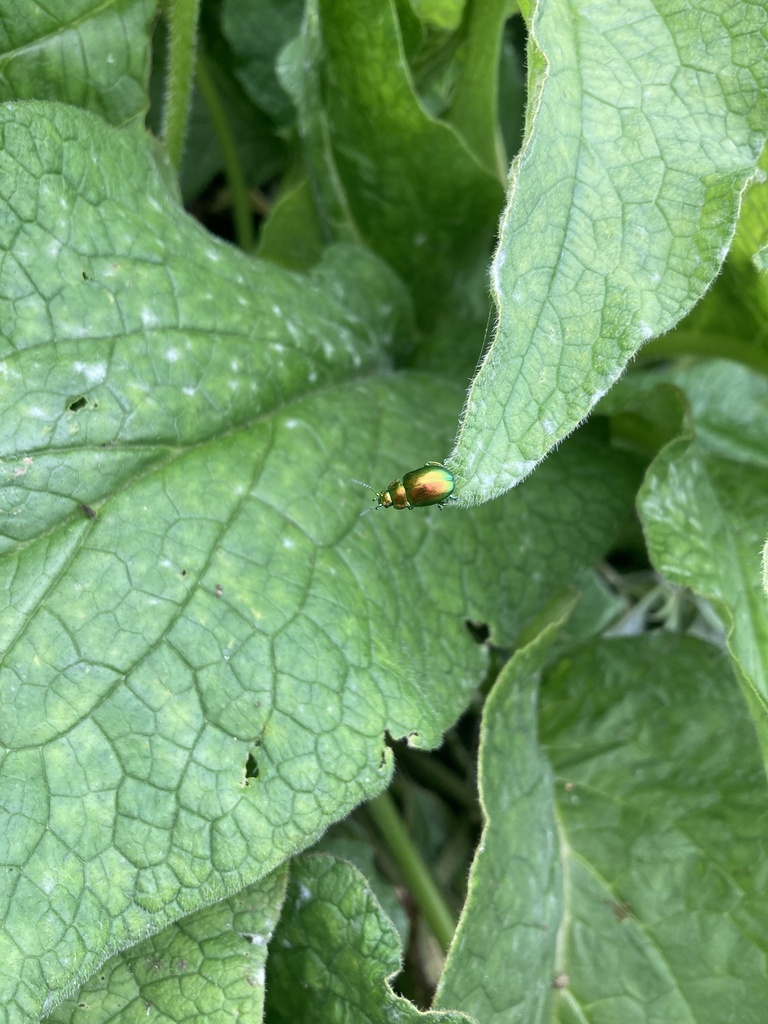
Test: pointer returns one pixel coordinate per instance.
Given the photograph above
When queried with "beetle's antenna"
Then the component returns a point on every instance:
(353, 481)
(372, 490)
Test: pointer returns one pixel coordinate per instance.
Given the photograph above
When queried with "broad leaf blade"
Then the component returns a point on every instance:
(658, 831)
(334, 952)
(206, 967)
(103, 264)
(256, 32)
(87, 53)
(703, 508)
(645, 127)
(663, 817)
(203, 644)
(731, 321)
(510, 920)
(382, 170)
(474, 110)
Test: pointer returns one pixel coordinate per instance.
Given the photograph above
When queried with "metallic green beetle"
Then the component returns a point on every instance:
(433, 484)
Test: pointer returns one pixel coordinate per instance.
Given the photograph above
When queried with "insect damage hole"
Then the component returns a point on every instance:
(77, 404)
(479, 631)
(251, 770)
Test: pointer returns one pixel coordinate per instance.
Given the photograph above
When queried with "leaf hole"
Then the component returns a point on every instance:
(78, 404)
(479, 631)
(251, 767)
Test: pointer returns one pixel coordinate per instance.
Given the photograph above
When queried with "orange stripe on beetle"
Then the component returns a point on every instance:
(433, 484)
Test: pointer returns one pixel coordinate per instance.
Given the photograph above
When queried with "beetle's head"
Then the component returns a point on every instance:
(383, 498)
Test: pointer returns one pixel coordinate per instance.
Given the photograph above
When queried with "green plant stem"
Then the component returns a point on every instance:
(241, 202)
(415, 873)
(181, 21)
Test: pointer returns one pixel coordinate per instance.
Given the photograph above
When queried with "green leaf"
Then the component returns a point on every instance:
(597, 608)
(364, 134)
(645, 413)
(732, 319)
(87, 53)
(292, 235)
(334, 952)
(204, 968)
(645, 123)
(445, 14)
(703, 509)
(663, 818)
(500, 963)
(203, 645)
(257, 30)
(641, 894)
(207, 658)
(728, 407)
(474, 110)
(348, 841)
